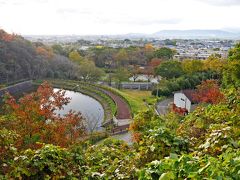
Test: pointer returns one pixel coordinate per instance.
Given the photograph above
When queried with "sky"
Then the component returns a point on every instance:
(102, 17)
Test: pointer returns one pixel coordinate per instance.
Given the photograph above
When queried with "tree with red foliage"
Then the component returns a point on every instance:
(209, 92)
(155, 62)
(179, 110)
(35, 118)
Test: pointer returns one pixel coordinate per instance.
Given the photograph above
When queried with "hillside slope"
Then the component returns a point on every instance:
(21, 59)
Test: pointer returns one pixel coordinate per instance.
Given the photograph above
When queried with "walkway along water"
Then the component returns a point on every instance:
(123, 117)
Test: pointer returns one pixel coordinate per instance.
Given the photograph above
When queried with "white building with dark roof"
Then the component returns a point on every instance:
(184, 99)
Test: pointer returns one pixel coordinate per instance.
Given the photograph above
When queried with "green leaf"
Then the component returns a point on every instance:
(166, 176)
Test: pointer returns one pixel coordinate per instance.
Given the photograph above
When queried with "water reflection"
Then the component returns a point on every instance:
(91, 109)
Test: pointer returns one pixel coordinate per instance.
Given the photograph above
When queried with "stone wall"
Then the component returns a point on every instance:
(17, 88)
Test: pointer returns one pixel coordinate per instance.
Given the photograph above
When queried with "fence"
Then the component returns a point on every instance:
(132, 85)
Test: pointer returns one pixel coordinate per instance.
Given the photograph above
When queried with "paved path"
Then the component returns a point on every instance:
(162, 106)
(123, 110)
(123, 116)
(127, 137)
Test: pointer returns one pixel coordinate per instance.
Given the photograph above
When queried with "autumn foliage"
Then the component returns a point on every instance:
(44, 51)
(5, 36)
(208, 91)
(34, 118)
(155, 62)
(179, 110)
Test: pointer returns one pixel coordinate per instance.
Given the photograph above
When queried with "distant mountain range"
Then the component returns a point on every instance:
(196, 34)
(164, 34)
(186, 34)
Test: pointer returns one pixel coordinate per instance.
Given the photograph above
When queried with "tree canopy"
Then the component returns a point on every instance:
(75, 57)
(234, 53)
(169, 69)
(164, 53)
(21, 59)
(88, 72)
(192, 66)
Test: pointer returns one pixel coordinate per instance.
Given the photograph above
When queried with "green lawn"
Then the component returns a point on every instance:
(138, 100)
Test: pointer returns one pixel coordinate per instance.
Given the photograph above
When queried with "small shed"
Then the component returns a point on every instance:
(184, 99)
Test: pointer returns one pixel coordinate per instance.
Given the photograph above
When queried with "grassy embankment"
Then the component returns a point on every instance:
(137, 100)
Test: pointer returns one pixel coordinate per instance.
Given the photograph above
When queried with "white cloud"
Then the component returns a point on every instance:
(113, 16)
